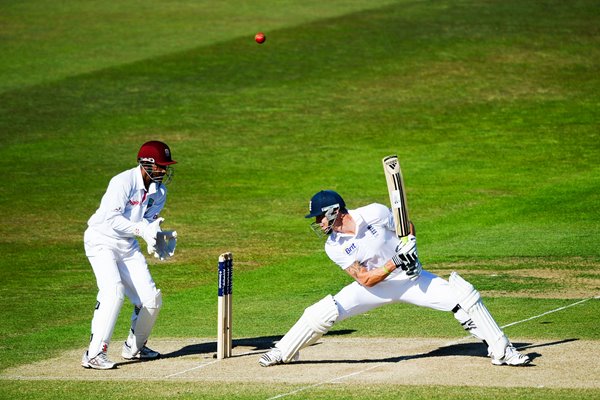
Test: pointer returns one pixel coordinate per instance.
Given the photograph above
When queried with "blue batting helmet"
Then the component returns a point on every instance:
(323, 201)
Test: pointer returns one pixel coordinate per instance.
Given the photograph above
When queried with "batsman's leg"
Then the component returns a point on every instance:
(314, 323)
(482, 325)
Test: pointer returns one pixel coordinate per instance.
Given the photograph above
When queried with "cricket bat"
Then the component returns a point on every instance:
(395, 184)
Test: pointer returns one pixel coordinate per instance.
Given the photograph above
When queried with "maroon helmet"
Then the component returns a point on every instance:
(159, 154)
(155, 152)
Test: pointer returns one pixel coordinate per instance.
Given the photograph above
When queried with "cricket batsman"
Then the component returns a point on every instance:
(130, 208)
(386, 270)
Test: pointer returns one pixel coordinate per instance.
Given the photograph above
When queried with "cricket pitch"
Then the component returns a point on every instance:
(403, 361)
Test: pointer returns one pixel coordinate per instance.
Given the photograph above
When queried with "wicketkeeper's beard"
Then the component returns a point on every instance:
(162, 177)
(158, 177)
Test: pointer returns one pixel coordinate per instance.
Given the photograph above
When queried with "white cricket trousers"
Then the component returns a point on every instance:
(428, 290)
(118, 274)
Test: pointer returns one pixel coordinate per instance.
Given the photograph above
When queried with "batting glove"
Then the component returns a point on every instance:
(406, 256)
(413, 270)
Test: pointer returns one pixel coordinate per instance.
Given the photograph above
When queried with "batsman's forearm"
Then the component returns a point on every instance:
(390, 266)
(374, 276)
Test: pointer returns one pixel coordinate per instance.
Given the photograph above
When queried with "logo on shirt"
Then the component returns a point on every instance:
(150, 202)
(372, 229)
(350, 248)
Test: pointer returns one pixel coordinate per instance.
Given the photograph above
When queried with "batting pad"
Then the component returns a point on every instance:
(469, 299)
(314, 323)
(142, 327)
(108, 306)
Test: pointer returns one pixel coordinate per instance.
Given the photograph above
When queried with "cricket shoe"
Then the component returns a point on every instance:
(511, 357)
(273, 357)
(145, 353)
(101, 361)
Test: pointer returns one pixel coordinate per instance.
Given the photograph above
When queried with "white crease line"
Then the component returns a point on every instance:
(323, 383)
(213, 362)
(249, 353)
(380, 365)
(192, 369)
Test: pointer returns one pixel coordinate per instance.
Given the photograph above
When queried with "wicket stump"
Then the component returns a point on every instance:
(224, 341)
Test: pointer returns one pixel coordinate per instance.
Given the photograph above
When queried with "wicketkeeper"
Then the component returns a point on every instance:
(386, 270)
(130, 208)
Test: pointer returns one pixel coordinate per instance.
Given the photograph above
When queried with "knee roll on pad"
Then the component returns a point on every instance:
(155, 302)
(485, 327)
(322, 315)
(108, 308)
(112, 295)
(468, 296)
(144, 322)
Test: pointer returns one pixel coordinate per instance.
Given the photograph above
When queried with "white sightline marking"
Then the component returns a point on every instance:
(339, 378)
(550, 312)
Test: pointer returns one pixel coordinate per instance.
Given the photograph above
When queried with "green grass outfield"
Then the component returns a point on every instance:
(492, 107)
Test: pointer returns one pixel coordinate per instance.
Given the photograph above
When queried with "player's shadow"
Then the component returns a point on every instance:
(264, 343)
(254, 344)
(458, 349)
(257, 343)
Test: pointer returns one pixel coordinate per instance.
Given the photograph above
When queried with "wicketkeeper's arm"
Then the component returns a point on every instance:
(149, 232)
(166, 241)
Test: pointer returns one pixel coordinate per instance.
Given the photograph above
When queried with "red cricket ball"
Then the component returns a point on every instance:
(260, 38)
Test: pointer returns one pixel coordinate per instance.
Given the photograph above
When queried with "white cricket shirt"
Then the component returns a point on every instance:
(125, 203)
(374, 242)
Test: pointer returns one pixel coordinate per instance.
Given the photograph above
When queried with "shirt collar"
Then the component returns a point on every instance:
(358, 219)
(153, 188)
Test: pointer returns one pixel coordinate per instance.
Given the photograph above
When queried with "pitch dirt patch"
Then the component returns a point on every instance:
(416, 361)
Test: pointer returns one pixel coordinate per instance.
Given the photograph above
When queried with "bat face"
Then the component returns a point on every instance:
(395, 184)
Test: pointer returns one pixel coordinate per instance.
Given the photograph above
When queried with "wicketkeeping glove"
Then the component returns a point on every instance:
(166, 241)
(149, 231)
(406, 256)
